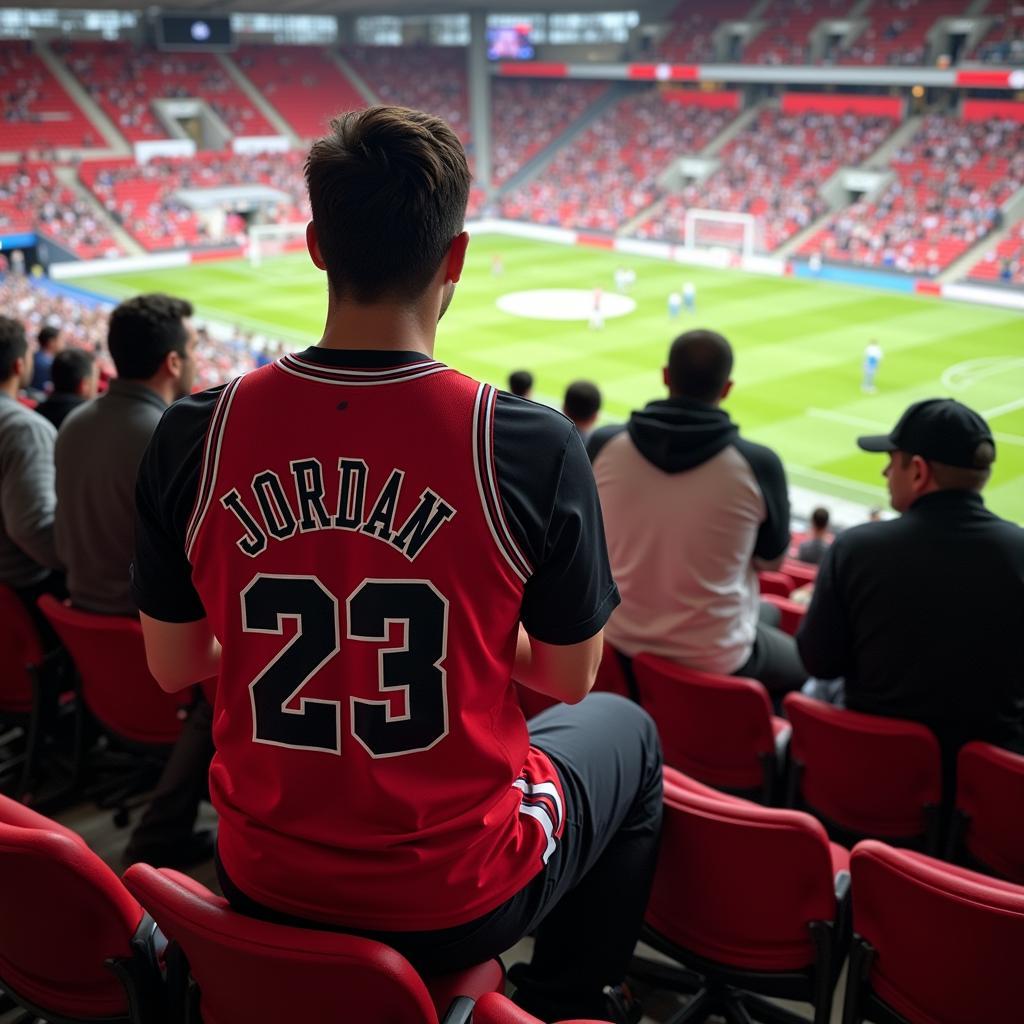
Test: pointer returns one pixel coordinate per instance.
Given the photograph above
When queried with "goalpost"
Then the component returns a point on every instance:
(267, 240)
(721, 229)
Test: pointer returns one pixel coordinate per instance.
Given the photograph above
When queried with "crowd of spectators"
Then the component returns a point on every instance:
(897, 32)
(690, 35)
(610, 173)
(1004, 262)
(125, 80)
(775, 169)
(951, 180)
(786, 37)
(1003, 43)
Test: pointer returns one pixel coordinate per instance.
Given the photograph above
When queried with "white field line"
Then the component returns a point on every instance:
(1006, 407)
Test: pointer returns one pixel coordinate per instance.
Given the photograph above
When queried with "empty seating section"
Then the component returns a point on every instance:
(528, 115)
(951, 179)
(302, 83)
(143, 197)
(1005, 261)
(690, 36)
(125, 81)
(774, 169)
(36, 112)
(786, 37)
(432, 79)
(610, 173)
(33, 199)
(1003, 43)
(897, 32)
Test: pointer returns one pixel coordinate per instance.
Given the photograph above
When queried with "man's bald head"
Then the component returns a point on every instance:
(699, 366)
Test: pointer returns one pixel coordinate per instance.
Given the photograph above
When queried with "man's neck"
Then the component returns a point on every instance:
(161, 387)
(380, 328)
(10, 387)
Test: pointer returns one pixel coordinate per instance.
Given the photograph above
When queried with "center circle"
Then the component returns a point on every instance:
(565, 304)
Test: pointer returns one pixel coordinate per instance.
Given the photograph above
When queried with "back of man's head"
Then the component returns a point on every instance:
(819, 519)
(47, 337)
(520, 382)
(582, 402)
(699, 366)
(389, 188)
(13, 345)
(143, 330)
(71, 368)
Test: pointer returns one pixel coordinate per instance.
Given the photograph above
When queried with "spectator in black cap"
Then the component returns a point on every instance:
(921, 615)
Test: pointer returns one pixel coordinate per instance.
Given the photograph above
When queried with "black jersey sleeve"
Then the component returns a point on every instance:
(165, 494)
(550, 501)
(773, 536)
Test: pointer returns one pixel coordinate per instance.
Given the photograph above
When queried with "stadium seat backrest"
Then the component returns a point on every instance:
(948, 942)
(259, 972)
(799, 573)
(610, 675)
(494, 1008)
(775, 583)
(712, 727)
(64, 913)
(870, 775)
(791, 613)
(990, 793)
(738, 883)
(110, 657)
(19, 646)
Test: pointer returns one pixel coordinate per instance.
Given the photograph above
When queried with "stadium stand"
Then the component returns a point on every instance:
(528, 115)
(691, 30)
(1004, 263)
(303, 84)
(898, 30)
(786, 38)
(609, 175)
(951, 179)
(36, 111)
(1003, 43)
(143, 197)
(775, 169)
(125, 81)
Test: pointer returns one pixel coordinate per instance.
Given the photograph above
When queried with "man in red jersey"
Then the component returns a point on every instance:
(366, 547)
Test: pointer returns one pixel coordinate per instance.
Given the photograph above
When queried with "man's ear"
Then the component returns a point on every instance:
(665, 378)
(922, 473)
(726, 390)
(314, 247)
(456, 257)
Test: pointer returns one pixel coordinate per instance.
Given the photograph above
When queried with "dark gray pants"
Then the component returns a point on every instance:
(586, 906)
(775, 660)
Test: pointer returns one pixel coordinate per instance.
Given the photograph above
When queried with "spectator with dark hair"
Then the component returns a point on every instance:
(48, 345)
(462, 827)
(28, 556)
(520, 383)
(582, 404)
(152, 342)
(692, 512)
(921, 615)
(813, 549)
(75, 377)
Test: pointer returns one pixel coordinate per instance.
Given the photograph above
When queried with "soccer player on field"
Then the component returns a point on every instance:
(365, 547)
(690, 297)
(872, 360)
(675, 303)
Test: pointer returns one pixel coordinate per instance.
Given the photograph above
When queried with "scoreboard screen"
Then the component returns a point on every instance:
(194, 32)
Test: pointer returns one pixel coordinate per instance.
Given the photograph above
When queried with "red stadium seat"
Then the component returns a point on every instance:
(74, 945)
(988, 825)
(864, 775)
(792, 612)
(118, 690)
(933, 943)
(772, 921)
(775, 583)
(800, 573)
(719, 729)
(302, 973)
(494, 1008)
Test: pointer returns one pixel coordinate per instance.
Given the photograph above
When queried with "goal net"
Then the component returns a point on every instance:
(721, 230)
(266, 240)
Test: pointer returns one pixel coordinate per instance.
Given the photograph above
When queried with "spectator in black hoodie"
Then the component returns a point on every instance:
(692, 512)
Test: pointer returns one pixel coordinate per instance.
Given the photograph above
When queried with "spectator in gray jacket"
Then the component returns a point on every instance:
(813, 549)
(27, 553)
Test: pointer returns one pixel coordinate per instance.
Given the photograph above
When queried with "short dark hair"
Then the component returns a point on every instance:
(819, 518)
(47, 335)
(388, 187)
(582, 401)
(960, 478)
(520, 382)
(143, 330)
(699, 365)
(70, 368)
(13, 345)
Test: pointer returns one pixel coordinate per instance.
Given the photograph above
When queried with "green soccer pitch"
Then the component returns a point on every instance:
(799, 346)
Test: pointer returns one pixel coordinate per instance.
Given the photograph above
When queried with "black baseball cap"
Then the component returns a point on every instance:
(938, 429)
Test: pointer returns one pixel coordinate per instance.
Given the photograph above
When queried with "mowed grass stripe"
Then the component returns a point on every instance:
(799, 345)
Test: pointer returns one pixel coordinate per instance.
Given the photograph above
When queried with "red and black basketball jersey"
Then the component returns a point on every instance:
(366, 573)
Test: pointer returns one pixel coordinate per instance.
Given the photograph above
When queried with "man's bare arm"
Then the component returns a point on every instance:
(564, 672)
(180, 654)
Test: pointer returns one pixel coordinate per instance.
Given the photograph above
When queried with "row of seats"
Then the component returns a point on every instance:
(1004, 262)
